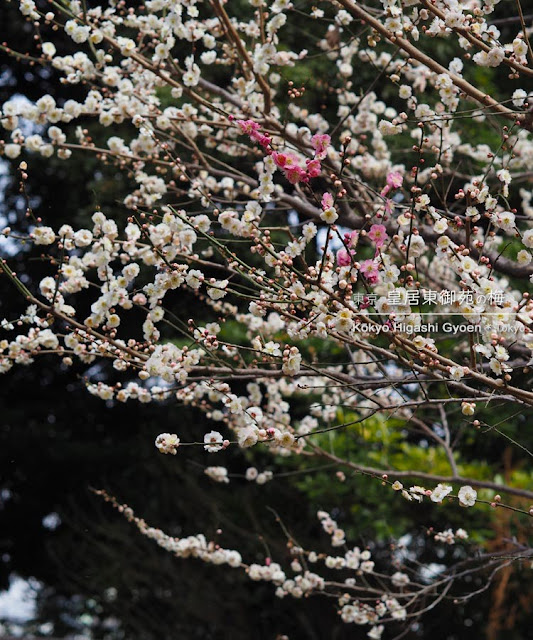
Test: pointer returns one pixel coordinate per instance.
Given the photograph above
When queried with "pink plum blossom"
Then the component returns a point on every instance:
(320, 142)
(262, 138)
(313, 168)
(248, 127)
(369, 269)
(251, 128)
(351, 238)
(283, 160)
(394, 180)
(327, 200)
(295, 174)
(378, 235)
(344, 258)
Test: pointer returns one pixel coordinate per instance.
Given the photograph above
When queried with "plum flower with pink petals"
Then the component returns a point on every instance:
(262, 138)
(249, 127)
(327, 201)
(320, 142)
(378, 235)
(313, 168)
(351, 238)
(295, 174)
(344, 258)
(394, 180)
(369, 269)
(283, 160)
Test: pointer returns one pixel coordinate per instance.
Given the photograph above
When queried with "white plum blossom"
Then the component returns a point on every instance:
(467, 496)
(167, 443)
(44, 235)
(440, 492)
(247, 437)
(213, 441)
(400, 579)
(218, 474)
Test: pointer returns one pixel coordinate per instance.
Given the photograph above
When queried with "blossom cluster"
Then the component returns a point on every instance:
(304, 234)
